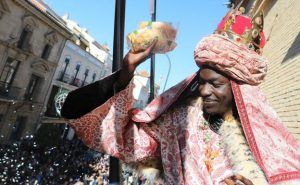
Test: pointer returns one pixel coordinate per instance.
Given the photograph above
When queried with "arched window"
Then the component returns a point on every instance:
(50, 39)
(25, 36)
(29, 25)
(86, 73)
(9, 72)
(94, 76)
(63, 72)
(46, 52)
(76, 81)
(77, 68)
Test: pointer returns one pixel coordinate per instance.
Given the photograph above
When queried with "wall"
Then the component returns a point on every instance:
(282, 86)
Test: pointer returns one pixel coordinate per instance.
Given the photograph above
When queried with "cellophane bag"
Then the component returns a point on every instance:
(148, 32)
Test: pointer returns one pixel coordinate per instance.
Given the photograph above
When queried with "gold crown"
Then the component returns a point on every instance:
(243, 29)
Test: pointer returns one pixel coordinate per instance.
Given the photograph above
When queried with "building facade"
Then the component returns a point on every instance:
(76, 69)
(31, 42)
(141, 91)
(282, 30)
(83, 61)
(89, 44)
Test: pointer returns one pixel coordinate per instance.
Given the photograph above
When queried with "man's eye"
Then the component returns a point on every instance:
(217, 85)
(201, 82)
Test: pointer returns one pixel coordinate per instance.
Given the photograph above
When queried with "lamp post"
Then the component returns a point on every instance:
(114, 172)
(152, 65)
(118, 34)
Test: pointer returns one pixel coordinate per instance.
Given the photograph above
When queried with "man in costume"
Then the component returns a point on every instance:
(215, 127)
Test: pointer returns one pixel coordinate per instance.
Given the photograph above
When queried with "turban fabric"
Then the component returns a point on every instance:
(232, 58)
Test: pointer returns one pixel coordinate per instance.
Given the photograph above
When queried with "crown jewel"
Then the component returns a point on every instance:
(243, 29)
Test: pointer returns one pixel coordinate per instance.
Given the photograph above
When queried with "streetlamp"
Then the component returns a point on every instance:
(152, 65)
(114, 172)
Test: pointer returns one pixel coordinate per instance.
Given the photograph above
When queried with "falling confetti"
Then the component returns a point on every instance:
(25, 162)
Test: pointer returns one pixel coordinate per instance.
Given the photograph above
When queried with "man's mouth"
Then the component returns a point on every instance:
(209, 101)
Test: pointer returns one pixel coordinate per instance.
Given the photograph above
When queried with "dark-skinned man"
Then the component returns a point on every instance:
(215, 127)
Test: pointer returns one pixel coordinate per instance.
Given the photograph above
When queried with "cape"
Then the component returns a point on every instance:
(275, 150)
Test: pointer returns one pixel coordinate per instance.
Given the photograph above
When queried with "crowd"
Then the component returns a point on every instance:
(70, 162)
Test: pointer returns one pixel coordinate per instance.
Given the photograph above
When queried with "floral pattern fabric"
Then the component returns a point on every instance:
(275, 149)
(178, 137)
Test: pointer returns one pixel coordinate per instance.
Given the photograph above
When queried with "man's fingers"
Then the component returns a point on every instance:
(243, 179)
(147, 53)
(135, 58)
(229, 182)
(151, 47)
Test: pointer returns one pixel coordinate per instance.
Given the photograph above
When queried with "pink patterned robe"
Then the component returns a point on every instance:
(178, 137)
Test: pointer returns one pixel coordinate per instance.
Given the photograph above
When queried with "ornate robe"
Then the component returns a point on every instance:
(190, 153)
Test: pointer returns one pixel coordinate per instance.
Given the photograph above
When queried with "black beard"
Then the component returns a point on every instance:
(215, 121)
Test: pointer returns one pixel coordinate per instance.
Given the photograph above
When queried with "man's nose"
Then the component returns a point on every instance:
(205, 90)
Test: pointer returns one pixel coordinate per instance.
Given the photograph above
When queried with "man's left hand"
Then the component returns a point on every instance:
(233, 180)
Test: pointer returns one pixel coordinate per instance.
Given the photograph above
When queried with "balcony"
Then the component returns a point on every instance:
(9, 92)
(76, 82)
(69, 80)
(66, 78)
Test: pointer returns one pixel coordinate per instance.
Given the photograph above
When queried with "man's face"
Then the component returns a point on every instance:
(215, 90)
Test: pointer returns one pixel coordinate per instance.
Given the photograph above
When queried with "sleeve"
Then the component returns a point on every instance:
(87, 98)
(109, 129)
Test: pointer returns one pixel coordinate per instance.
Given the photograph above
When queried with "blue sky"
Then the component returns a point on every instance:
(195, 19)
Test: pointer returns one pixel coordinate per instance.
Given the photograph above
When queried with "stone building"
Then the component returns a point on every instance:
(31, 41)
(83, 61)
(282, 30)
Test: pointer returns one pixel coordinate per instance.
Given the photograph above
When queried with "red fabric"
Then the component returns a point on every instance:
(275, 149)
(241, 23)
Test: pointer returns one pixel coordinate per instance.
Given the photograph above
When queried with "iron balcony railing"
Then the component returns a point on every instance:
(66, 78)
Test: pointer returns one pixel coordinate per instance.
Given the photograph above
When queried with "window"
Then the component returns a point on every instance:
(46, 51)
(103, 73)
(77, 68)
(83, 46)
(9, 72)
(94, 76)
(24, 39)
(62, 77)
(18, 128)
(67, 60)
(76, 81)
(1, 117)
(86, 73)
(34, 81)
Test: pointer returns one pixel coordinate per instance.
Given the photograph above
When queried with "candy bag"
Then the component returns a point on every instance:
(147, 32)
